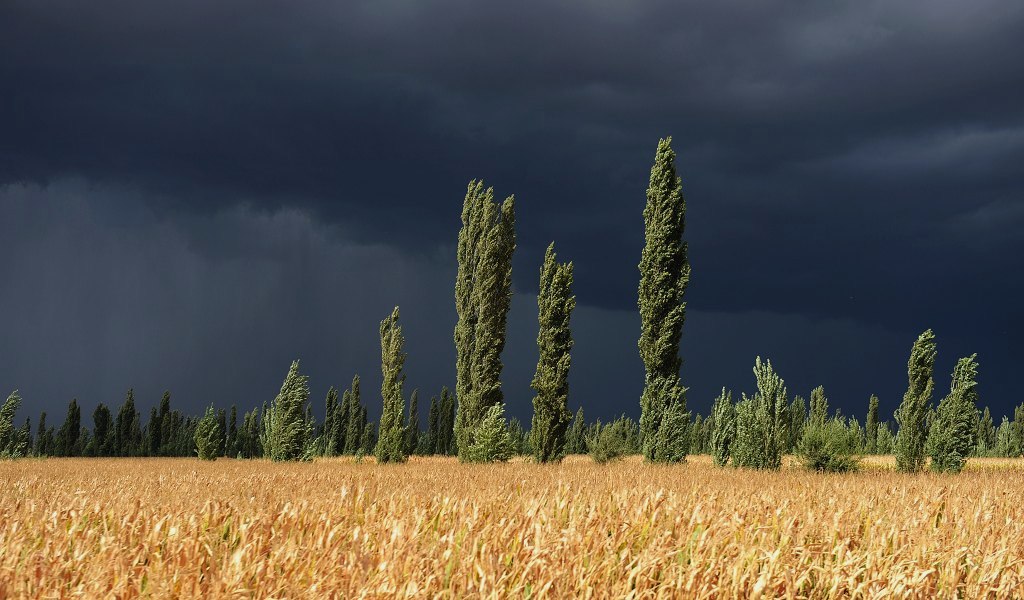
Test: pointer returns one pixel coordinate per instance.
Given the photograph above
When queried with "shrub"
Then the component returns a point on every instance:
(608, 442)
(830, 446)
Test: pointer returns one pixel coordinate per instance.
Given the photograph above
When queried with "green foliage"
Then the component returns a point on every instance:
(390, 445)
(208, 435)
(12, 441)
(886, 442)
(412, 425)
(759, 422)
(913, 411)
(819, 405)
(354, 437)
(491, 440)
(446, 423)
(483, 295)
(796, 414)
(68, 437)
(985, 434)
(673, 435)
(830, 445)
(285, 429)
(128, 432)
(609, 442)
(951, 436)
(664, 275)
(723, 432)
(871, 426)
(555, 304)
(576, 442)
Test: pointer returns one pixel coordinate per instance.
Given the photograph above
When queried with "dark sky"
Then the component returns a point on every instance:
(194, 193)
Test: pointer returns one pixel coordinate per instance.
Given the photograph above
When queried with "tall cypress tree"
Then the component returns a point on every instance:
(952, 435)
(483, 295)
(664, 275)
(555, 304)
(913, 411)
(391, 440)
(871, 426)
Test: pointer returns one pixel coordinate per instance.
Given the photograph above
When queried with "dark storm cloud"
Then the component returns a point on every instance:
(849, 167)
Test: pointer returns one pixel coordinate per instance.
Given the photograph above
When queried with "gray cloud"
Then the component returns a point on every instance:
(850, 163)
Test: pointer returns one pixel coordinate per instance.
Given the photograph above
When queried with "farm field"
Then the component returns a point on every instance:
(95, 528)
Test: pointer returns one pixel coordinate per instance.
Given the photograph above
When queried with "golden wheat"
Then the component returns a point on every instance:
(168, 528)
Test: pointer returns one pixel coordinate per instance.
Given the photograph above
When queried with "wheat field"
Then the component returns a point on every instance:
(171, 528)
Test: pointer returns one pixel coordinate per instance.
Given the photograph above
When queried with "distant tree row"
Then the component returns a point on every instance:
(751, 431)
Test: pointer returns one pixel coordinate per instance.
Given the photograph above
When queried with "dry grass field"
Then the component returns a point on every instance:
(167, 528)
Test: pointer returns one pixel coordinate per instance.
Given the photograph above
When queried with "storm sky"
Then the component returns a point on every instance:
(194, 193)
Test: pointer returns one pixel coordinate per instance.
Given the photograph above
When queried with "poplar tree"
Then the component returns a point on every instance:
(208, 435)
(284, 423)
(222, 423)
(69, 432)
(446, 423)
(390, 445)
(128, 440)
(166, 424)
(41, 448)
(10, 442)
(664, 275)
(103, 437)
(576, 439)
(555, 304)
(913, 411)
(871, 426)
(759, 422)
(432, 427)
(483, 294)
(986, 434)
(952, 435)
(232, 437)
(330, 432)
(795, 423)
(819, 406)
(723, 431)
(356, 419)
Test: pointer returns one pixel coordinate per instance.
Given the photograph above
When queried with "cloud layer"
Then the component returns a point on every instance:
(194, 193)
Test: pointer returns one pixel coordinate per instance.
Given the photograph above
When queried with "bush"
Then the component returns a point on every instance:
(830, 446)
(612, 441)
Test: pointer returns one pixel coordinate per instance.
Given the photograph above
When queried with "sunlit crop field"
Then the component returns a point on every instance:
(435, 528)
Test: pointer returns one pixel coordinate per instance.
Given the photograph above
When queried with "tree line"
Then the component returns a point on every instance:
(749, 431)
